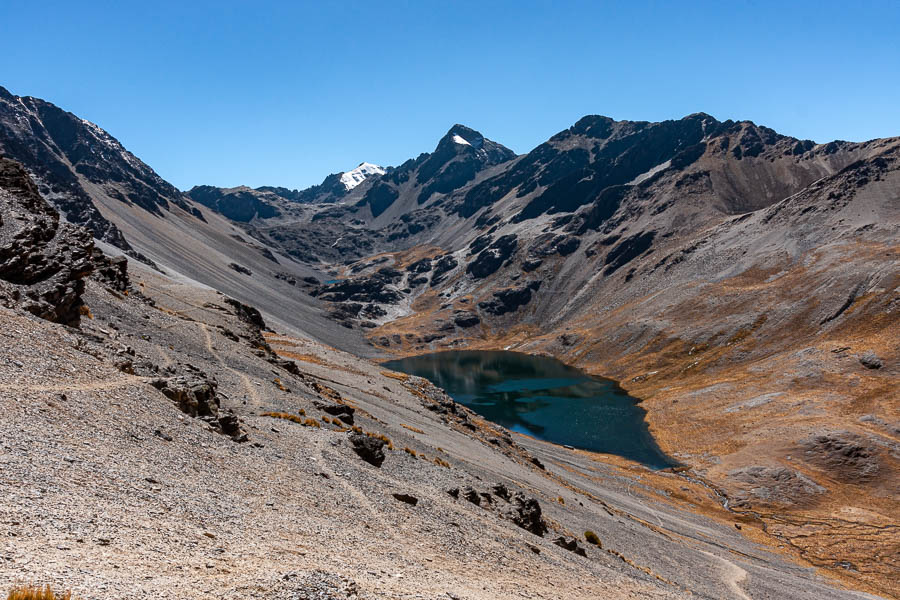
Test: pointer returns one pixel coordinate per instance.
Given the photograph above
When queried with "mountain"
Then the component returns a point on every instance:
(725, 273)
(244, 204)
(92, 181)
(356, 176)
(740, 283)
(78, 166)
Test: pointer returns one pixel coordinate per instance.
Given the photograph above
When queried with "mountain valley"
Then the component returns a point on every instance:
(205, 413)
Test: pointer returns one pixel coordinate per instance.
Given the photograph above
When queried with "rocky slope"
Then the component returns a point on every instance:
(742, 283)
(163, 448)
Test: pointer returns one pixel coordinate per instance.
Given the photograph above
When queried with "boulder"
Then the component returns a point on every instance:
(111, 271)
(406, 498)
(570, 544)
(526, 513)
(342, 411)
(466, 319)
(368, 448)
(870, 361)
(194, 395)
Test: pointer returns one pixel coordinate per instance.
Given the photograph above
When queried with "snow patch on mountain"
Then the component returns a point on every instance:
(353, 178)
(460, 140)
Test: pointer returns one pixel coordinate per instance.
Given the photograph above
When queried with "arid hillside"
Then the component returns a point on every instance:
(203, 417)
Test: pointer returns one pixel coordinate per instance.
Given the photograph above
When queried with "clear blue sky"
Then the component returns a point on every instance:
(283, 93)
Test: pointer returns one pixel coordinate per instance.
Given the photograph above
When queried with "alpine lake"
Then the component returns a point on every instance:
(544, 398)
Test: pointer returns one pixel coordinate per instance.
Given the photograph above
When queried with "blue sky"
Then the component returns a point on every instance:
(283, 93)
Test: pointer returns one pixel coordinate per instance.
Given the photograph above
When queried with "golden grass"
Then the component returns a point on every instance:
(397, 376)
(293, 418)
(382, 437)
(30, 592)
(302, 357)
(410, 451)
(285, 416)
(441, 463)
(411, 428)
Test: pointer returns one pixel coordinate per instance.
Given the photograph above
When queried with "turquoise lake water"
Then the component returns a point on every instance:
(544, 398)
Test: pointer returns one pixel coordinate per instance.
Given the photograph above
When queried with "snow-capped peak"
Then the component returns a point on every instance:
(460, 140)
(353, 178)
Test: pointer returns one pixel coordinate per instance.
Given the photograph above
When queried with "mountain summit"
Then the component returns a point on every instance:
(353, 178)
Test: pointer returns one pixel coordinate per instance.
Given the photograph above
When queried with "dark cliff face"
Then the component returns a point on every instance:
(72, 160)
(238, 204)
(43, 260)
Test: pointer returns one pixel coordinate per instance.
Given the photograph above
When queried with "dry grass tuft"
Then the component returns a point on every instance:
(84, 311)
(382, 437)
(440, 462)
(410, 451)
(285, 416)
(397, 376)
(30, 592)
(411, 428)
(279, 384)
(294, 418)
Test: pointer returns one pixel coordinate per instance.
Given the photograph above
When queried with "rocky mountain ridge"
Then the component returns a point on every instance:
(741, 283)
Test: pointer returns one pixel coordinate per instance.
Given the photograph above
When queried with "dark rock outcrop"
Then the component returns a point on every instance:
(111, 271)
(43, 261)
(845, 456)
(240, 268)
(369, 449)
(493, 257)
(194, 395)
(870, 361)
(442, 266)
(509, 300)
(466, 319)
(248, 314)
(526, 513)
(570, 544)
(363, 289)
(407, 498)
(341, 411)
(238, 204)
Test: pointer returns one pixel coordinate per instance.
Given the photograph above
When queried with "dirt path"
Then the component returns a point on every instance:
(248, 385)
(107, 384)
